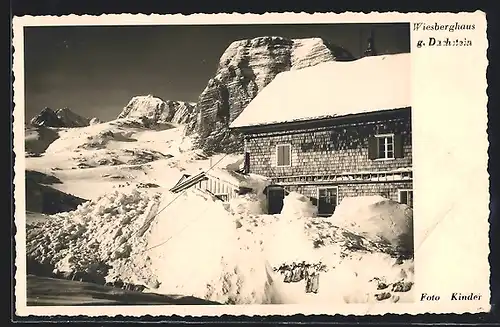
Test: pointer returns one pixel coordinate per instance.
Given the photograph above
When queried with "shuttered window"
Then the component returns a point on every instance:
(283, 155)
(387, 146)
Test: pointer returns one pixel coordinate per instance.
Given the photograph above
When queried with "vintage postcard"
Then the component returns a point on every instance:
(245, 164)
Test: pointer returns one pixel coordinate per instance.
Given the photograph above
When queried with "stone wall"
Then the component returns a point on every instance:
(342, 148)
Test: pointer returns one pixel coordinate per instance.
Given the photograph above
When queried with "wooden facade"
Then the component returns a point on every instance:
(329, 159)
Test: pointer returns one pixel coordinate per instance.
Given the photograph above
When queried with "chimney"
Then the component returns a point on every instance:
(370, 47)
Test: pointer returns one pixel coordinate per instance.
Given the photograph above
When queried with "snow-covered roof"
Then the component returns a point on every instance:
(332, 89)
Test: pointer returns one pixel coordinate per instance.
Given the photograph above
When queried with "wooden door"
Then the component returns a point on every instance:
(275, 196)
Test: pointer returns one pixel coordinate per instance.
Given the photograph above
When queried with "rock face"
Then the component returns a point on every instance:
(177, 112)
(70, 119)
(153, 110)
(47, 117)
(245, 68)
(61, 118)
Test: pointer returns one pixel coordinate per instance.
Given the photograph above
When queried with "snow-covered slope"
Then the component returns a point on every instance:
(47, 291)
(226, 253)
(42, 198)
(37, 139)
(133, 231)
(153, 110)
(94, 121)
(97, 159)
(332, 89)
(245, 68)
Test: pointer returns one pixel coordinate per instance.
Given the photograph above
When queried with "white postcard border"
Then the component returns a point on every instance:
(451, 185)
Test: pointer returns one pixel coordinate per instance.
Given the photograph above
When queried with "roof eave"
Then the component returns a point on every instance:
(308, 122)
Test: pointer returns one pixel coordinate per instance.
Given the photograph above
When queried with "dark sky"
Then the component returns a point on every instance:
(95, 70)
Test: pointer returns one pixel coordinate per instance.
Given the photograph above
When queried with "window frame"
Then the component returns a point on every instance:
(385, 136)
(405, 190)
(289, 154)
(327, 187)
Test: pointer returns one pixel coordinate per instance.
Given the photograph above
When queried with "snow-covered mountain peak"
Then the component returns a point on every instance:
(63, 117)
(71, 119)
(152, 109)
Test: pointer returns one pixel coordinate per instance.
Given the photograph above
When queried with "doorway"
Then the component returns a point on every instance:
(327, 200)
(275, 195)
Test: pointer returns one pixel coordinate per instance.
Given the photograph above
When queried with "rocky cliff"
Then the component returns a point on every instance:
(71, 119)
(154, 110)
(60, 118)
(245, 68)
(47, 117)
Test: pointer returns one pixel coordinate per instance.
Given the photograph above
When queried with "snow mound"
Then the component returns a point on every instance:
(198, 254)
(224, 252)
(377, 219)
(100, 241)
(248, 204)
(298, 205)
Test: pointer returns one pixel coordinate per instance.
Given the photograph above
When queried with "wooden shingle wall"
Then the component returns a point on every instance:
(388, 190)
(339, 149)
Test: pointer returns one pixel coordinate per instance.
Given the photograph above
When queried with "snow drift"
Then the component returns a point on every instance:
(98, 241)
(377, 219)
(224, 252)
(298, 205)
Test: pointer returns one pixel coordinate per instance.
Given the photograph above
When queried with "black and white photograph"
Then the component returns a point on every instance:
(250, 164)
(219, 164)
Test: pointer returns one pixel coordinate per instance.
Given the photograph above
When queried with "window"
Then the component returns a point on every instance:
(327, 200)
(385, 147)
(406, 197)
(283, 155)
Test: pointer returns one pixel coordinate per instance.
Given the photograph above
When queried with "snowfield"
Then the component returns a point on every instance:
(190, 244)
